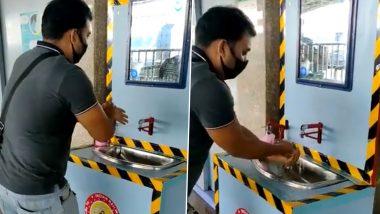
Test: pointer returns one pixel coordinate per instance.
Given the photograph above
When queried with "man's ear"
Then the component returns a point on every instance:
(73, 35)
(221, 45)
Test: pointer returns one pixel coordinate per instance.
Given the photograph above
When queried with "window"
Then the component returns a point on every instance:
(159, 43)
(326, 43)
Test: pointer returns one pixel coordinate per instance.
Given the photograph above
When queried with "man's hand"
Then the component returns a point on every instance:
(115, 113)
(120, 116)
(288, 158)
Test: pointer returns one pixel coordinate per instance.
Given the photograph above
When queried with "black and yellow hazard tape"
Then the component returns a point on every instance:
(333, 194)
(216, 187)
(118, 2)
(108, 91)
(360, 175)
(177, 173)
(152, 147)
(156, 202)
(153, 183)
(282, 63)
(374, 113)
(108, 82)
(283, 206)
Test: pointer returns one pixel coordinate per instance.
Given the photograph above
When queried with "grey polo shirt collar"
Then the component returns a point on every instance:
(199, 56)
(49, 46)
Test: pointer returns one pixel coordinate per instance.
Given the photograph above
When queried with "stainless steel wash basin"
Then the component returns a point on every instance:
(305, 175)
(136, 158)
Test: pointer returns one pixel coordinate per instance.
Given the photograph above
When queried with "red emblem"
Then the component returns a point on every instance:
(241, 211)
(100, 204)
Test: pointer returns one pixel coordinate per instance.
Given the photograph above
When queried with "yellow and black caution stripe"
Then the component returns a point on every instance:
(119, 2)
(156, 197)
(109, 74)
(282, 62)
(273, 200)
(152, 147)
(108, 81)
(108, 92)
(153, 183)
(362, 176)
(177, 173)
(216, 185)
(374, 114)
(156, 202)
(333, 194)
(283, 206)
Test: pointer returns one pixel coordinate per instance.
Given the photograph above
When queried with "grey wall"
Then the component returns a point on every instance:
(344, 114)
(249, 89)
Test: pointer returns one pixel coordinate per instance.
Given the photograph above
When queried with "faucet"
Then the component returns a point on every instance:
(147, 128)
(271, 124)
(318, 126)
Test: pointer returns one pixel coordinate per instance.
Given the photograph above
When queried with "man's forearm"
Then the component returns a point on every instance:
(109, 111)
(257, 149)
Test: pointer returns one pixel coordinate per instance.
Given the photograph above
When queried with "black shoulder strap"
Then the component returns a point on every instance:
(17, 83)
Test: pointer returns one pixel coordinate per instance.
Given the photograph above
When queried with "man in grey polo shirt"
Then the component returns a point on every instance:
(43, 112)
(222, 40)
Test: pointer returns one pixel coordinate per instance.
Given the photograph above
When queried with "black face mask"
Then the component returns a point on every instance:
(231, 73)
(78, 56)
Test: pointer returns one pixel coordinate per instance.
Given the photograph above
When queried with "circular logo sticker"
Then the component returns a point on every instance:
(241, 211)
(133, 73)
(98, 203)
(303, 71)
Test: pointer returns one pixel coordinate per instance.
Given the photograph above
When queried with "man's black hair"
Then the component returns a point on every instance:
(62, 15)
(222, 22)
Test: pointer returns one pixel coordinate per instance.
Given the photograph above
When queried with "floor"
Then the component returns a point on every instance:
(199, 204)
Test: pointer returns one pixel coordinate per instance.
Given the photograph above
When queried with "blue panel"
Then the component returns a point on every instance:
(169, 107)
(277, 187)
(174, 196)
(129, 198)
(358, 202)
(344, 114)
(234, 195)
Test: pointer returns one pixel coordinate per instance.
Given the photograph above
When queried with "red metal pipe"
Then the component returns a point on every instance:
(148, 128)
(318, 126)
(281, 128)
